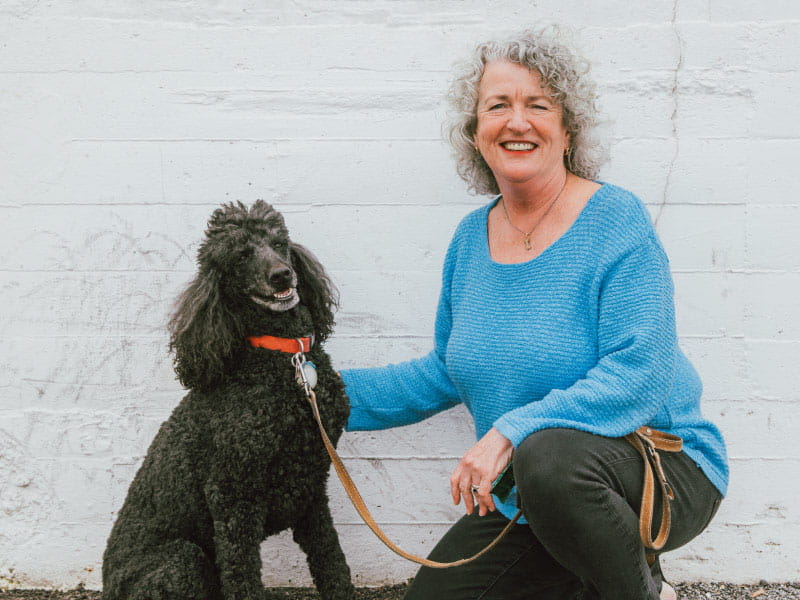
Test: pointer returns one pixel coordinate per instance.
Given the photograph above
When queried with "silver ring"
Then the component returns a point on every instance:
(475, 488)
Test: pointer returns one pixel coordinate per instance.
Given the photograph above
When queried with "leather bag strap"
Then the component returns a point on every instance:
(363, 511)
(647, 440)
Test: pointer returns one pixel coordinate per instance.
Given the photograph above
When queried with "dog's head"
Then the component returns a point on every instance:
(247, 266)
(251, 252)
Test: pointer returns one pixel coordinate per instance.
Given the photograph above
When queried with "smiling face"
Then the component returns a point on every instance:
(251, 251)
(267, 269)
(520, 131)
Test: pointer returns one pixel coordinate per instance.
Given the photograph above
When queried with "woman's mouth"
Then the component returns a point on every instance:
(519, 146)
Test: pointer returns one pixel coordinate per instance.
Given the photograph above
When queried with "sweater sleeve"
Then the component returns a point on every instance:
(636, 356)
(405, 393)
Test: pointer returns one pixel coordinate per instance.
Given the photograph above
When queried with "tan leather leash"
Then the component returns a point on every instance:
(355, 495)
(647, 440)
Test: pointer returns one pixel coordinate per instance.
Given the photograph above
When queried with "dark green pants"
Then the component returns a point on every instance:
(580, 494)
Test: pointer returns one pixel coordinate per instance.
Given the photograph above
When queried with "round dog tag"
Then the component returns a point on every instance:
(310, 371)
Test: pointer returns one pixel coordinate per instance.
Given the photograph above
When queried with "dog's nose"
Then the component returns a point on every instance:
(280, 277)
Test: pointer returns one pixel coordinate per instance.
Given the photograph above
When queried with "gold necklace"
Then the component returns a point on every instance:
(527, 234)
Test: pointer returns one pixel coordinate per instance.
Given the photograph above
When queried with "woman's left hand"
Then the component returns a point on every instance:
(480, 466)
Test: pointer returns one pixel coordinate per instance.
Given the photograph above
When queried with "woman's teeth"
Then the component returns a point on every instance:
(519, 146)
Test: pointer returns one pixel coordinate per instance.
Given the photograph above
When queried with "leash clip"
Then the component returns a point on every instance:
(305, 372)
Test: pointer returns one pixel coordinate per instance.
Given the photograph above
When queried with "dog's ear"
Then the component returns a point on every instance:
(202, 332)
(316, 290)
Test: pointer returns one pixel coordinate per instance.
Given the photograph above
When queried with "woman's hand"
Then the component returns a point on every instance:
(480, 466)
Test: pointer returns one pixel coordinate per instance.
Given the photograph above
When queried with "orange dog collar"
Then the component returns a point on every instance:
(288, 345)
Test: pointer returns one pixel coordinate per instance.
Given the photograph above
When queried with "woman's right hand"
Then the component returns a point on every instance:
(480, 466)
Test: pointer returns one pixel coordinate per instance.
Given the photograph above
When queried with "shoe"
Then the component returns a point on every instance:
(667, 592)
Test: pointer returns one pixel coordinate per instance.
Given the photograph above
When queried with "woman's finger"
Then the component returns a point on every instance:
(455, 485)
(484, 497)
(469, 499)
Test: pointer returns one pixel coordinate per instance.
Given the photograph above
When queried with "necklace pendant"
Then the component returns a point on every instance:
(528, 242)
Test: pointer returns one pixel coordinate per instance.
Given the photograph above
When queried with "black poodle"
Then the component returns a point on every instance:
(240, 458)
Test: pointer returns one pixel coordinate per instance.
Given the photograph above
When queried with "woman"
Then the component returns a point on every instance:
(556, 328)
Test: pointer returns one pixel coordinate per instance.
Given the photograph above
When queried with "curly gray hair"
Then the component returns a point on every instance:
(563, 72)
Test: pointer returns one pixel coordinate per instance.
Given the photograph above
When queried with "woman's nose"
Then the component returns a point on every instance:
(518, 123)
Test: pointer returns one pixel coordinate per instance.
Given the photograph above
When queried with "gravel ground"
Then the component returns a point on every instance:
(687, 591)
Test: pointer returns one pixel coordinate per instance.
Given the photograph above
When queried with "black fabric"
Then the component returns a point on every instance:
(581, 495)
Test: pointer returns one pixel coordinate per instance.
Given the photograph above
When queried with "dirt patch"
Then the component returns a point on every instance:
(686, 591)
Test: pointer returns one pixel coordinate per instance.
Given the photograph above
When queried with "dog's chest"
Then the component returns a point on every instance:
(297, 470)
(278, 436)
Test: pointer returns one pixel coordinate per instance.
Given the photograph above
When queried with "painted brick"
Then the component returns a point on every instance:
(712, 171)
(702, 237)
(641, 165)
(776, 99)
(417, 13)
(757, 428)
(376, 350)
(635, 112)
(199, 106)
(697, 10)
(752, 46)
(777, 503)
(122, 361)
(774, 373)
(771, 176)
(774, 10)
(175, 173)
(726, 114)
(51, 303)
(147, 396)
(772, 240)
(771, 306)
(724, 367)
(417, 440)
(615, 48)
(79, 434)
(709, 304)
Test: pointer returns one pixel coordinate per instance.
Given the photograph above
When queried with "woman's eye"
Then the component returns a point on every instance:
(496, 106)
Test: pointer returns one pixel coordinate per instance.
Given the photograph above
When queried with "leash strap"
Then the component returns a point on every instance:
(363, 511)
(647, 440)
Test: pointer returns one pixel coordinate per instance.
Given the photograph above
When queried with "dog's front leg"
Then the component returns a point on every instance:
(317, 537)
(238, 532)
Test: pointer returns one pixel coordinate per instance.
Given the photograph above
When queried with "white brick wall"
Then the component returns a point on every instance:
(124, 124)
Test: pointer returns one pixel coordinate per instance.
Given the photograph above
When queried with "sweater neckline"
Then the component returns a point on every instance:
(576, 224)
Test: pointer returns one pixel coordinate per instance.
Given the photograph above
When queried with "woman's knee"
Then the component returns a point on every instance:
(550, 465)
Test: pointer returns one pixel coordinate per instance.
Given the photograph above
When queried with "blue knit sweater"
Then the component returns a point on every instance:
(582, 336)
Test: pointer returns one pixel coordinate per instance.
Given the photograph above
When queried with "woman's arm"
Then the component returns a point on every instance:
(395, 395)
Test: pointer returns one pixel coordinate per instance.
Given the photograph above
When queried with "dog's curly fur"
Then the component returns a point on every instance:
(240, 457)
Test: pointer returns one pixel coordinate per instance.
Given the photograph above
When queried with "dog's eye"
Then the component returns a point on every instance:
(280, 245)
